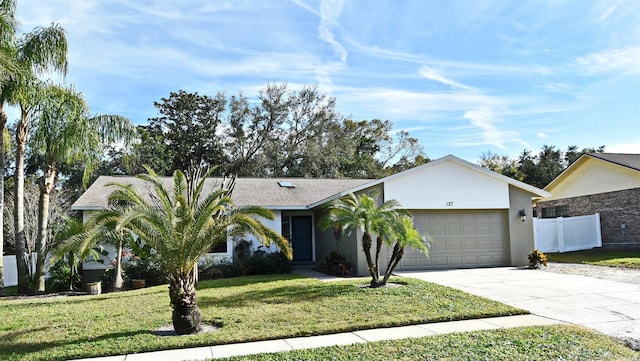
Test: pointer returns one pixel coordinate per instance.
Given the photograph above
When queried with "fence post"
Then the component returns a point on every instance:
(598, 229)
(560, 228)
(536, 236)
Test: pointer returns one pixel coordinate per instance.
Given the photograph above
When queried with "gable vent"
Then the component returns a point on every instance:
(286, 184)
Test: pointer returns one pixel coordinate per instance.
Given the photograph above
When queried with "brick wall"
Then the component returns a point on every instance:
(615, 208)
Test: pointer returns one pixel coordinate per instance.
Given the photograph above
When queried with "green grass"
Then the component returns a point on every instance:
(525, 343)
(8, 291)
(600, 257)
(246, 308)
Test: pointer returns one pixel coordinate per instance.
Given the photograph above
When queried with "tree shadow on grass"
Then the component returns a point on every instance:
(316, 292)
(41, 350)
(247, 280)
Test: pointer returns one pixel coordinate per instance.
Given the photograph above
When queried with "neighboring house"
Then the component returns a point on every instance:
(471, 215)
(605, 183)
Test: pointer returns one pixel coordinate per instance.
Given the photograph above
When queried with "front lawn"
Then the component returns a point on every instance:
(526, 343)
(600, 257)
(246, 308)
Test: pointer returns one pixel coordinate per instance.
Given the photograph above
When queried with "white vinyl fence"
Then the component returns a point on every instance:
(567, 234)
(10, 269)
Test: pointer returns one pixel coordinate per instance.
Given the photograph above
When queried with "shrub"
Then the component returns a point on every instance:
(537, 258)
(146, 269)
(209, 270)
(335, 264)
(61, 277)
(107, 279)
(245, 263)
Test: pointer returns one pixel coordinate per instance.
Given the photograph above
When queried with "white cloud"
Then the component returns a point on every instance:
(485, 120)
(330, 11)
(433, 74)
(624, 61)
(542, 135)
(609, 11)
(470, 66)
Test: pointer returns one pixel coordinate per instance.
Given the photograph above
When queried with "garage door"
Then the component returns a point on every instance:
(460, 239)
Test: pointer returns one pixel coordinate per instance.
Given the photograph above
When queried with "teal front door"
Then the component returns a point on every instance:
(301, 238)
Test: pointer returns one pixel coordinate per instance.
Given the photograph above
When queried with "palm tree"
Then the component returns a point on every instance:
(41, 50)
(65, 133)
(181, 224)
(387, 221)
(100, 229)
(69, 228)
(7, 71)
(406, 235)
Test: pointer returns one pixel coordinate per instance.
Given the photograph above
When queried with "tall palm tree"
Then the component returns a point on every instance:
(363, 213)
(7, 71)
(27, 99)
(64, 133)
(181, 224)
(39, 51)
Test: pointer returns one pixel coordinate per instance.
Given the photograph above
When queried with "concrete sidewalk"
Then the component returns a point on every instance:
(610, 307)
(339, 339)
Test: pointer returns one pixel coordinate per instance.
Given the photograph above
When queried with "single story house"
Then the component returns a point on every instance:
(472, 217)
(605, 183)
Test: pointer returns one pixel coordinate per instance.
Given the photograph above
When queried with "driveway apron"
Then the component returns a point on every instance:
(610, 307)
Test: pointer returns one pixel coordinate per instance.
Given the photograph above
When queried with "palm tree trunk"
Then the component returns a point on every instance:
(18, 209)
(117, 283)
(378, 249)
(3, 122)
(186, 314)
(47, 183)
(366, 247)
(396, 256)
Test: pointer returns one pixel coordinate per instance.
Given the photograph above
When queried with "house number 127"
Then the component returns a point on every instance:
(449, 204)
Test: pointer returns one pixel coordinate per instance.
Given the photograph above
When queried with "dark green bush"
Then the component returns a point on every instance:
(146, 269)
(335, 265)
(246, 263)
(61, 278)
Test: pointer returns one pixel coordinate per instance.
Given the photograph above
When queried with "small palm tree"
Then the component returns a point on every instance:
(76, 241)
(75, 255)
(387, 221)
(406, 236)
(181, 224)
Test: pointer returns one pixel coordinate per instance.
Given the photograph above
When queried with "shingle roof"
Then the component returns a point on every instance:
(264, 192)
(626, 160)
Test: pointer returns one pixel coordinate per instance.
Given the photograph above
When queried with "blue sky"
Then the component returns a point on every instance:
(463, 76)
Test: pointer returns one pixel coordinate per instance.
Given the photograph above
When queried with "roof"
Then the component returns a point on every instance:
(631, 161)
(536, 192)
(264, 192)
(451, 158)
(626, 160)
(274, 193)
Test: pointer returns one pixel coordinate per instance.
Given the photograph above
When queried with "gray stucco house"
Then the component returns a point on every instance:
(471, 216)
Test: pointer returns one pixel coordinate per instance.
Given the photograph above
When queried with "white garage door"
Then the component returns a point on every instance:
(460, 239)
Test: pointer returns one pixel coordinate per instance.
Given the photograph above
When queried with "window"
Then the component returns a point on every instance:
(286, 184)
(219, 248)
(557, 211)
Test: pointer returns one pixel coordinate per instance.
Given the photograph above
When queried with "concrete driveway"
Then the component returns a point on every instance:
(610, 307)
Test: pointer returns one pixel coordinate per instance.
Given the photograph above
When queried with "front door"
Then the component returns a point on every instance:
(301, 238)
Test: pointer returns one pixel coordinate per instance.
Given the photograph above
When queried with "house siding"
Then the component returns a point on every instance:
(521, 240)
(327, 241)
(615, 208)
